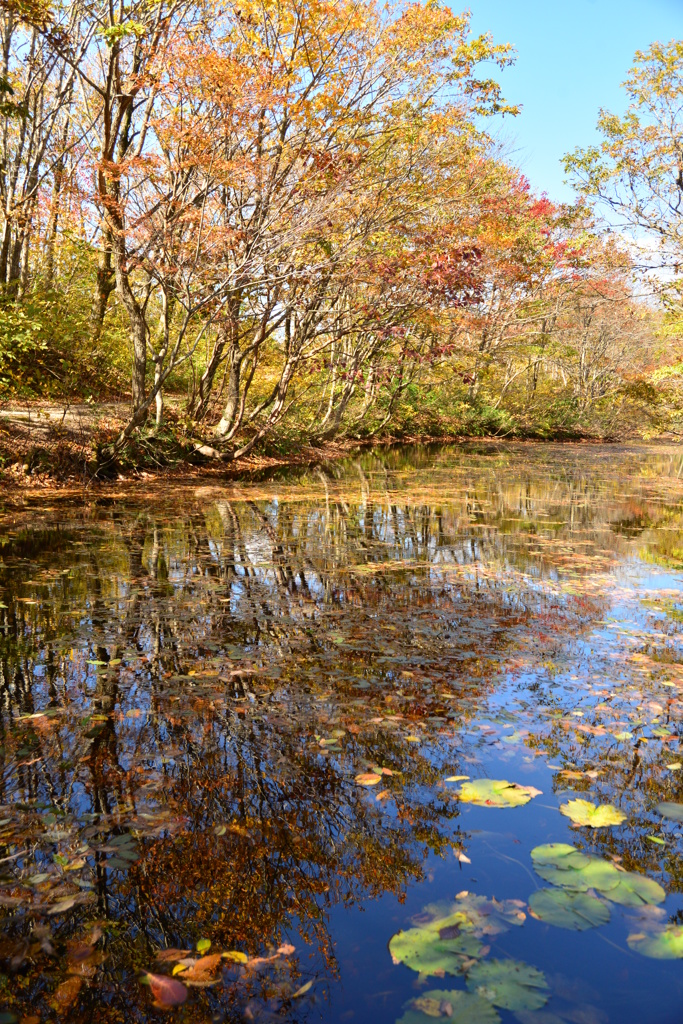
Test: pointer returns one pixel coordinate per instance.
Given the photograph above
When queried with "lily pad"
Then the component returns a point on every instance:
(583, 812)
(664, 944)
(496, 793)
(449, 1007)
(574, 910)
(636, 890)
(509, 984)
(559, 855)
(670, 810)
(438, 947)
(569, 868)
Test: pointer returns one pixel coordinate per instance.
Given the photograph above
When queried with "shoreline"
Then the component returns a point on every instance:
(72, 479)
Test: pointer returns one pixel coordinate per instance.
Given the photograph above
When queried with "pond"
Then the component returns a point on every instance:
(389, 739)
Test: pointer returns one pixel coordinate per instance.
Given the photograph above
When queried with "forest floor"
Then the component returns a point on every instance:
(52, 444)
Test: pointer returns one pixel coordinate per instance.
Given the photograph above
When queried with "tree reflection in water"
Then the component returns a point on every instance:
(191, 684)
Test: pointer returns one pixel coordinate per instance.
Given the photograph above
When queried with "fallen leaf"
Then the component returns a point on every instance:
(302, 991)
(235, 956)
(368, 779)
(202, 971)
(66, 994)
(166, 991)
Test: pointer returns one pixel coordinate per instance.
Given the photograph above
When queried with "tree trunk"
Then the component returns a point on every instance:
(159, 396)
(138, 338)
(106, 282)
(53, 225)
(4, 249)
(233, 399)
(200, 401)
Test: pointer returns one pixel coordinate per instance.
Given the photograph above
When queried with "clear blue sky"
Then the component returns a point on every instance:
(572, 56)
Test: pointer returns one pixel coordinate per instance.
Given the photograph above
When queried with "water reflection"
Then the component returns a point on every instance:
(193, 683)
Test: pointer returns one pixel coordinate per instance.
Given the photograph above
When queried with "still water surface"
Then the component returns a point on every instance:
(252, 717)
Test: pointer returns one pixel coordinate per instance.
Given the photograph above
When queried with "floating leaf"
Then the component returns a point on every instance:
(670, 810)
(63, 905)
(496, 793)
(457, 778)
(438, 947)
(513, 737)
(574, 910)
(203, 971)
(449, 1007)
(171, 955)
(488, 917)
(663, 944)
(368, 779)
(567, 867)
(66, 994)
(636, 890)
(656, 839)
(203, 945)
(235, 956)
(559, 855)
(166, 991)
(583, 812)
(510, 984)
(302, 991)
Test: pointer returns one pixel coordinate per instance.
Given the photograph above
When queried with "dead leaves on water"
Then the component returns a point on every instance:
(170, 991)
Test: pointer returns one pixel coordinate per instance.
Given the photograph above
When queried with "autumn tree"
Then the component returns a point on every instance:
(637, 169)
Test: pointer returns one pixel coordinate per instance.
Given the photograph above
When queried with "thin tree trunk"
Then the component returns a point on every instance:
(200, 401)
(232, 402)
(105, 284)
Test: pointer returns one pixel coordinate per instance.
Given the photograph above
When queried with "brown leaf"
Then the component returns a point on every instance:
(202, 970)
(165, 956)
(368, 779)
(66, 994)
(166, 991)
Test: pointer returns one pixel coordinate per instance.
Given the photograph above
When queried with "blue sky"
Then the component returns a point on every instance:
(572, 56)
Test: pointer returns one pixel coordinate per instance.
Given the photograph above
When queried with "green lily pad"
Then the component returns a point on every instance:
(559, 855)
(567, 867)
(574, 910)
(496, 793)
(636, 890)
(663, 944)
(438, 947)
(670, 810)
(449, 1007)
(583, 812)
(510, 984)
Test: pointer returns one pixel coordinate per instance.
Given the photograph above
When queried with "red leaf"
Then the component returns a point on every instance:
(166, 991)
